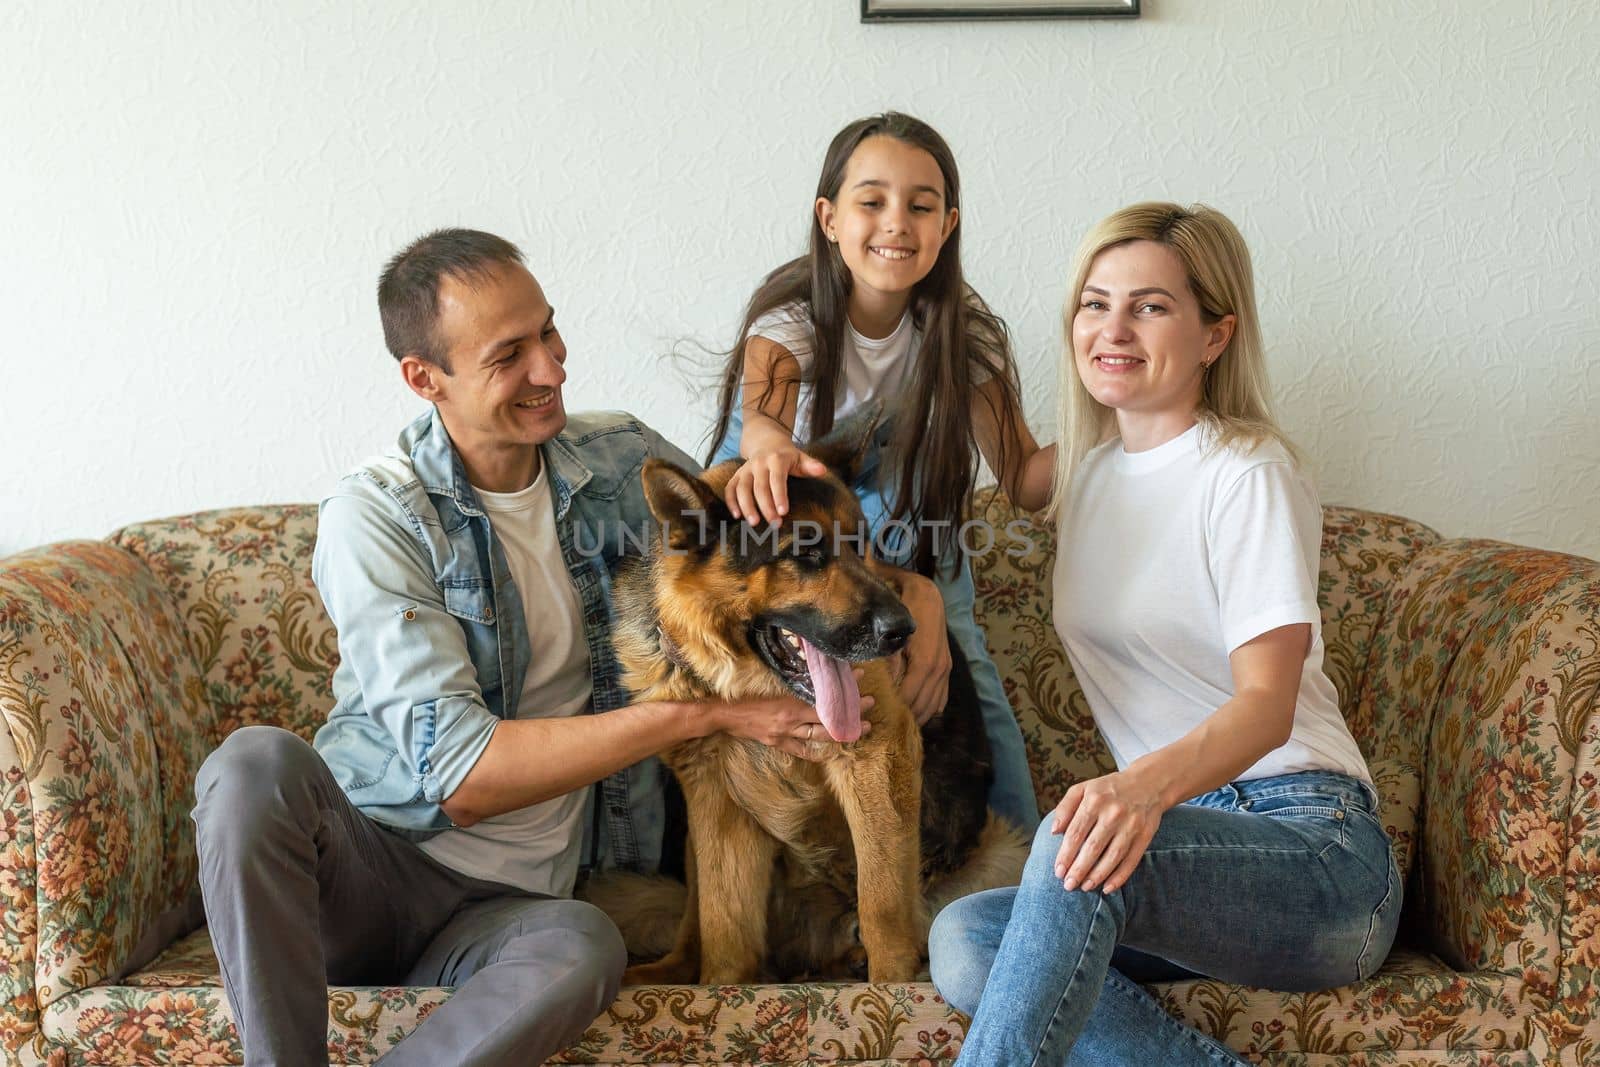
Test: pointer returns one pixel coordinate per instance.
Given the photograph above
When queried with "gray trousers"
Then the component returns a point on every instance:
(301, 890)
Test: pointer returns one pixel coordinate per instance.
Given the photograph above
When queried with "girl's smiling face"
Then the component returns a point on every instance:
(889, 218)
(1140, 339)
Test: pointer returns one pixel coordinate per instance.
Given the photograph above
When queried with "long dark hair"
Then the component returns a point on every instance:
(932, 461)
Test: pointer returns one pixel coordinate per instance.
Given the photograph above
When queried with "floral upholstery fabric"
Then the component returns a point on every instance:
(102, 708)
(1363, 555)
(174, 1011)
(1415, 1006)
(241, 580)
(1496, 654)
(1469, 672)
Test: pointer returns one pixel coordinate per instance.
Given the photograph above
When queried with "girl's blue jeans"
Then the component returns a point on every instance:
(1286, 883)
(1011, 796)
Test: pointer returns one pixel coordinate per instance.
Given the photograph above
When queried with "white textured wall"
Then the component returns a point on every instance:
(195, 200)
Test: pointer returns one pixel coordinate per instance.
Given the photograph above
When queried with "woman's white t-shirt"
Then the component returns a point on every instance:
(1168, 560)
(873, 369)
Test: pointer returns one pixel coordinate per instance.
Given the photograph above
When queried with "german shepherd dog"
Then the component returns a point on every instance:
(783, 853)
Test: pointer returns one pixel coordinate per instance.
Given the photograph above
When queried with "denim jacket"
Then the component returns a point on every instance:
(433, 645)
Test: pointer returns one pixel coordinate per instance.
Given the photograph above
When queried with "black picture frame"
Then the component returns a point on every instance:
(935, 11)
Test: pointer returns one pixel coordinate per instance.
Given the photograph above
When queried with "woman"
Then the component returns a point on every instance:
(1238, 837)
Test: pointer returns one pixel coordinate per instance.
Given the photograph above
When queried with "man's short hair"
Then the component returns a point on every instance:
(408, 288)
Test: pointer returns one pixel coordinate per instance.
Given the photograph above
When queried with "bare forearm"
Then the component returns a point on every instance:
(1031, 487)
(529, 761)
(1023, 469)
(762, 432)
(1228, 743)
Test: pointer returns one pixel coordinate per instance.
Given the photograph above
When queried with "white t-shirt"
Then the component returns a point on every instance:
(1168, 560)
(873, 369)
(534, 848)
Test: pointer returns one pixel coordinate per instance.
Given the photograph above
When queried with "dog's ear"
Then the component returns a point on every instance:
(690, 514)
(844, 448)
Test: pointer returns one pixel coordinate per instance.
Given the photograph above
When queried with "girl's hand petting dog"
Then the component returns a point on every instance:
(760, 488)
(922, 668)
(785, 723)
(1109, 822)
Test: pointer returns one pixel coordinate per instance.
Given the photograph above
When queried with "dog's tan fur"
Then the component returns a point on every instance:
(814, 931)
(767, 829)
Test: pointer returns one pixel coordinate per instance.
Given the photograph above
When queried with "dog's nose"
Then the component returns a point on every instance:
(893, 630)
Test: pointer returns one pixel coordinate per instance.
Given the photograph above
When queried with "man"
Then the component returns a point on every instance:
(433, 835)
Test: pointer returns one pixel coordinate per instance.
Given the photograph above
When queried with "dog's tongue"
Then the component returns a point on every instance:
(838, 696)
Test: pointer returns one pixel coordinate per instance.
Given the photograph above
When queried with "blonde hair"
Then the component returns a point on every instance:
(1234, 404)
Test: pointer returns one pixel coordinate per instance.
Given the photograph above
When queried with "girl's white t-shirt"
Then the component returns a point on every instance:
(534, 848)
(873, 369)
(1167, 561)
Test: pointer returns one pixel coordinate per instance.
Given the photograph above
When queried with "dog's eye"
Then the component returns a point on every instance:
(810, 558)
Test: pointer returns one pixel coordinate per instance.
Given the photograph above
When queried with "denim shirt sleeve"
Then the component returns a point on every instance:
(407, 654)
(661, 448)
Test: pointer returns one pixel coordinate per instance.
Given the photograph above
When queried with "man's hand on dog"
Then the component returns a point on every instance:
(761, 486)
(785, 723)
(922, 669)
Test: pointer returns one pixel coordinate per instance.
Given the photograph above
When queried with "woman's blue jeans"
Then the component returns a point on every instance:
(1286, 883)
(1011, 795)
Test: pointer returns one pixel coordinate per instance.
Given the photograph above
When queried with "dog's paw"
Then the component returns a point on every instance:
(897, 968)
(670, 970)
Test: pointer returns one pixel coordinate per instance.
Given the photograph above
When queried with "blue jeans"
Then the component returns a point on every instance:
(1011, 795)
(1285, 883)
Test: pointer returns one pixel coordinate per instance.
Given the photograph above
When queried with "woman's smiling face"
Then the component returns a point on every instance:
(1139, 337)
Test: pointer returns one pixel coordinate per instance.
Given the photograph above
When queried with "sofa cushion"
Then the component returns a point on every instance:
(241, 582)
(1414, 1003)
(174, 1012)
(1364, 553)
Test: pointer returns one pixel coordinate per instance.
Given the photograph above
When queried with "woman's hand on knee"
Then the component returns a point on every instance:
(1108, 822)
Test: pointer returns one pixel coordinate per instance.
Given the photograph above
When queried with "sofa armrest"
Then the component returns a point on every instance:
(1571, 1021)
(102, 705)
(1498, 648)
(19, 872)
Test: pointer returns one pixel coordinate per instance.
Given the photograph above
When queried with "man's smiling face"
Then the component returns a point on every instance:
(503, 393)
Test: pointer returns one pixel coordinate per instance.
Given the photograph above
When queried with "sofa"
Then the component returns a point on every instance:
(1469, 672)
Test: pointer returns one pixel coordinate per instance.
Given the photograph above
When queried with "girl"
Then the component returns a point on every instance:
(877, 311)
(1239, 836)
